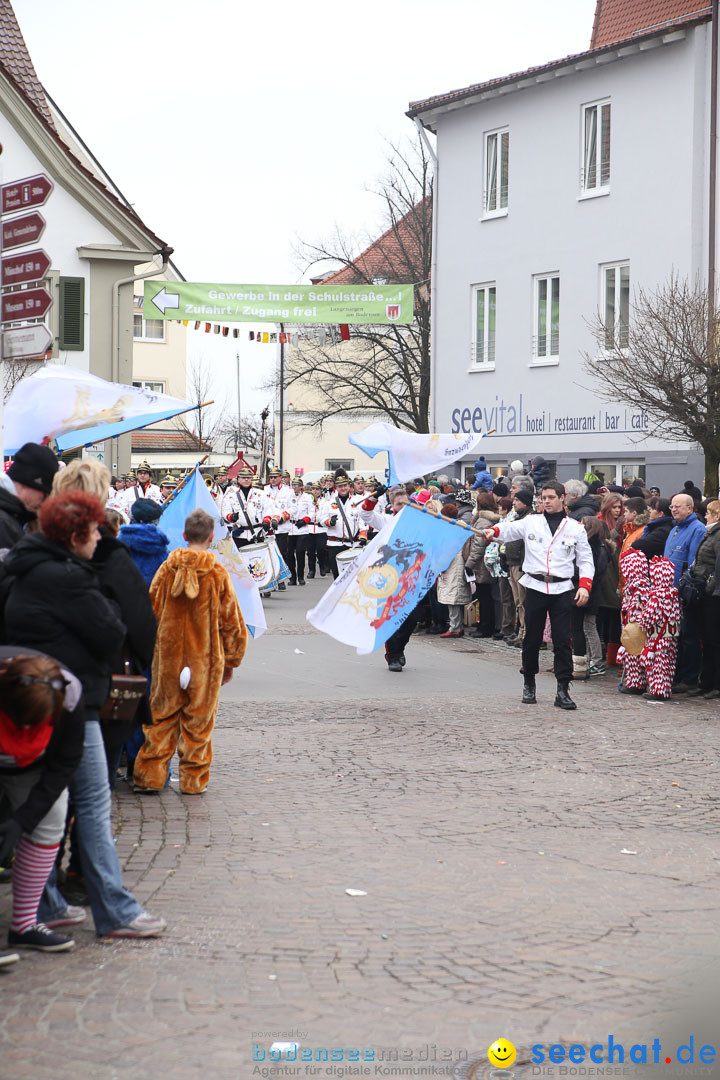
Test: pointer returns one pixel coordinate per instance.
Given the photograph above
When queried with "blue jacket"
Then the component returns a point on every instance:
(683, 542)
(148, 546)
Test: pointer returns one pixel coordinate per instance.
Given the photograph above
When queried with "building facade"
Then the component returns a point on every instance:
(559, 192)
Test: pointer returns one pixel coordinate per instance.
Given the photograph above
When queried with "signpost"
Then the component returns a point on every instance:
(30, 191)
(25, 304)
(25, 266)
(17, 232)
(293, 304)
(24, 342)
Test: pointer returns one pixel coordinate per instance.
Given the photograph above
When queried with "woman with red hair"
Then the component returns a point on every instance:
(55, 605)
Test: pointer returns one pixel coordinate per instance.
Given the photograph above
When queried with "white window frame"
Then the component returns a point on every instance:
(550, 357)
(616, 270)
(493, 160)
(489, 339)
(636, 467)
(602, 120)
(156, 386)
(143, 336)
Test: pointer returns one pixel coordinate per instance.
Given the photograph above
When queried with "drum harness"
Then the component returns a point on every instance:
(257, 536)
(351, 537)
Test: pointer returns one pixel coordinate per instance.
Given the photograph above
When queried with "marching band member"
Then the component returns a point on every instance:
(343, 521)
(277, 514)
(167, 487)
(244, 507)
(143, 489)
(302, 516)
(317, 540)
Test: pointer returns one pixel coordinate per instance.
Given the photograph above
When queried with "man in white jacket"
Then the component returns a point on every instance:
(554, 545)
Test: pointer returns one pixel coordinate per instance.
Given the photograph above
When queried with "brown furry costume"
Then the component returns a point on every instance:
(200, 627)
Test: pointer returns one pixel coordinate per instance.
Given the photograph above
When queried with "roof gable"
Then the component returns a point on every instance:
(616, 20)
(16, 62)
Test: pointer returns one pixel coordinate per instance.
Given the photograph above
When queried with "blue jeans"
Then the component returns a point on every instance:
(111, 904)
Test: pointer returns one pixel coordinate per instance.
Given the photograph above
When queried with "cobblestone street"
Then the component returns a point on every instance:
(529, 873)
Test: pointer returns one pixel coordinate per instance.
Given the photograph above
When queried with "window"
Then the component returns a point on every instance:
(617, 472)
(148, 329)
(596, 148)
(72, 313)
(331, 464)
(483, 339)
(497, 160)
(615, 305)
(546, 339)
(156, 387)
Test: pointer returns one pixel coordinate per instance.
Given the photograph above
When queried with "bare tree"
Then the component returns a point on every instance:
(666, 360)
(382, 369)
(203, 425)
(248, 436)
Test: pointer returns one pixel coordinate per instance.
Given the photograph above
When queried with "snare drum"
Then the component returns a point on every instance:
(348, 557)
(258, 561)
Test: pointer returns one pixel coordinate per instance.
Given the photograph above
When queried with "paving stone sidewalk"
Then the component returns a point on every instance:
(528, 873)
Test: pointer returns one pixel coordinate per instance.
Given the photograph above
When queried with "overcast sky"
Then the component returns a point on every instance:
(236, 128)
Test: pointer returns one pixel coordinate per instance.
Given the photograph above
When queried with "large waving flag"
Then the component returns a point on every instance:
(194, 495)
(411, 455)
(76, 409)
(373, 596)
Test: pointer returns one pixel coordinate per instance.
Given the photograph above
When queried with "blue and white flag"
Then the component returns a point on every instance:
(373, 596)
(76, 409)
(195, 496)
(411, 455)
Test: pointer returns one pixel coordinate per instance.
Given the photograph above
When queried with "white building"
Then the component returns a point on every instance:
(559, 190)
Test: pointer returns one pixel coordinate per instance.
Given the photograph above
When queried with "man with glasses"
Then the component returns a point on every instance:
(555, 545)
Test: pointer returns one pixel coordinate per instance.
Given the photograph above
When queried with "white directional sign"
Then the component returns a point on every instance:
(24, 342)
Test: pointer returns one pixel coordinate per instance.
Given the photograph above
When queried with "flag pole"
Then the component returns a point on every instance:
(450, 521)
(69, 449)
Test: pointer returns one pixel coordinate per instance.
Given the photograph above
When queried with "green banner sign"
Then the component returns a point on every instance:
(292, 304)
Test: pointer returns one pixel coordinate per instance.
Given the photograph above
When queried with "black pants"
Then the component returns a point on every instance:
(317, 553)
(537, 606)
(395, 644)
(486, 608)
(283, 543)
(689, 659)
(333, 550)
(296, 556)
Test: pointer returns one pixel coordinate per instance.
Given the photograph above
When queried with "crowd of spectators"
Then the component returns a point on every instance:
(681, 527)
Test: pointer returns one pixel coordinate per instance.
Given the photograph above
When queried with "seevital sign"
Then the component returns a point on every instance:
(294, 304)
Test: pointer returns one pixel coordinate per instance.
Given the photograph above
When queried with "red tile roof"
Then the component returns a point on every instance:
(439, 100)
(390, 256)
(162, 441)
(16, 61)
(616, 20)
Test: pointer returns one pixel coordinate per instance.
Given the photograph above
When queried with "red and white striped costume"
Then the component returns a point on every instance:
(634, 569)
(660, 619)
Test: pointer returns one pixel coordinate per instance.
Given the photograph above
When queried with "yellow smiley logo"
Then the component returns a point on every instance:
(502, 1053)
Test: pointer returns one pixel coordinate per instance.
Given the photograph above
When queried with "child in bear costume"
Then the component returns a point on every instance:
(200, 629)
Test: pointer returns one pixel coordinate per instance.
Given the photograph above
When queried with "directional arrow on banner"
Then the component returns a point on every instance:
(164, 300)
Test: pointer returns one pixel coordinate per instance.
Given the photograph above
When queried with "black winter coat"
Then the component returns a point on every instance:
(123, 583)
(652, 542)
(14, 516)
(54, 604)
(585, 506)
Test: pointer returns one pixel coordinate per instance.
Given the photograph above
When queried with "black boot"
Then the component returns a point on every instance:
(528, 697)
(293, 580)
(562, 698)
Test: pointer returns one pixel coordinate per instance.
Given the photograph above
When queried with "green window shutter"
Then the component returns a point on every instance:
(72, 313)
